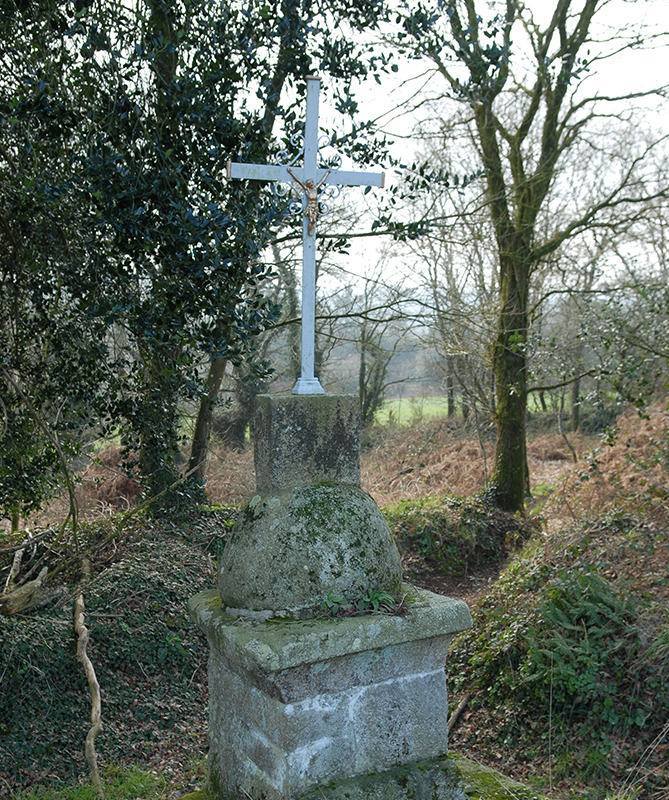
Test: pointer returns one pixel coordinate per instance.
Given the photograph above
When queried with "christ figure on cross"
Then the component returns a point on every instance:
(310, 178)
(311, 193)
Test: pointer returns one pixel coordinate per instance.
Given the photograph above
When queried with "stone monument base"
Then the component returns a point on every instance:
(436, 779)
(344, 707)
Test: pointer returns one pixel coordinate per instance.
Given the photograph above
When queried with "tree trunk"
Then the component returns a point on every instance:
(200, 443)
(510, 475)
(362, 374)
(450, 391)
(159, 429)
(291, 306)
(575, 405)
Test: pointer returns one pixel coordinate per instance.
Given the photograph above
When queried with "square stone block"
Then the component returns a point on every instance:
(400, 720)
(306, 439)
(297, 705)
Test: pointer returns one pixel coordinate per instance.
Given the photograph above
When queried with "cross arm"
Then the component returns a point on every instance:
(350, 178)
(279, 172)
(258, 172)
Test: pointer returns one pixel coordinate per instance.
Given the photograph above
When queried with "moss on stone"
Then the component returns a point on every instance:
(200, 794)
(451, 777)
(484, 783)
(436, 779)
(326, 537)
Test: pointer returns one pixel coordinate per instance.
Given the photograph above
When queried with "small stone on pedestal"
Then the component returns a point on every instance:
(301, 440)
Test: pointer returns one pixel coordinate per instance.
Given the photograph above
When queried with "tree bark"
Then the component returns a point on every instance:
(199, 447)
(575, 405)
(450, 390)
(14, 571)
(518, 180)
(24, 597)
(510, 474)
(159, 427)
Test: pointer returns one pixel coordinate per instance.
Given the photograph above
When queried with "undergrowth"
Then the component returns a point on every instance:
(149, 658)
(570, 648)
(119, 783)
(567, 664)
(454, 534)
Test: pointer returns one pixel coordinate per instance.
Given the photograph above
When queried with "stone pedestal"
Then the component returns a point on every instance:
(348, 707)
(320, 703)
(310, 529)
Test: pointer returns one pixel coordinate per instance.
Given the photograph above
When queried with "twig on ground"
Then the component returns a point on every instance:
(26, 542)
(14, 571)
(96, 713)
(455, 716)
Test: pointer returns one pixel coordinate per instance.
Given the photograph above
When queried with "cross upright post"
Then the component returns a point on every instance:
(309, 179)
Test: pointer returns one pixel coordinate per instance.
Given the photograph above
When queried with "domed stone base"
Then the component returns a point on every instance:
(289, 550)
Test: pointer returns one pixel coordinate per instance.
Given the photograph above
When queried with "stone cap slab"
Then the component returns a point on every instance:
(305, 439)
(277, 645)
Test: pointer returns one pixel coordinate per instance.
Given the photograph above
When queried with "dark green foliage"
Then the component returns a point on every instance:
(583, 649)
(127, 261)
(149, 658)
(558, 639)
(51, 347)
(574, 641)
(597, 419)
(454, 533)
(43, 698)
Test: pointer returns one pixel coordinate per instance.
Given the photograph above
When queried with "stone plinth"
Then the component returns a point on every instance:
(306, 439)
(310, 529)
(298, 705)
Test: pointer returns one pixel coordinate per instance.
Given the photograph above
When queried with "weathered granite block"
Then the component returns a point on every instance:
(297, 705)
(400, 720)
(288, 550)
(306, 439)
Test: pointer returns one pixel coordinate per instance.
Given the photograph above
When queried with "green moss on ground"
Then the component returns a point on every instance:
(453, 535)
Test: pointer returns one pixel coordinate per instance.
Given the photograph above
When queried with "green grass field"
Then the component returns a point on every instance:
(409, 410)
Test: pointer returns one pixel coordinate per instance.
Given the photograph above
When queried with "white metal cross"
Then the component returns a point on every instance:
(309, 178)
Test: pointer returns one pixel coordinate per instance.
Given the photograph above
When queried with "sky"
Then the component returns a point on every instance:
(630, 71)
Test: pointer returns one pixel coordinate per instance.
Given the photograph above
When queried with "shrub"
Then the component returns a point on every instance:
(454, 533)
(562, 636)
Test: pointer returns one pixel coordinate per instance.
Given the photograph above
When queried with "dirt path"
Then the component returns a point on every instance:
(469, 588)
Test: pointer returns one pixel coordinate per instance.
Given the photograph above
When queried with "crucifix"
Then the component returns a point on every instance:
(312, 180)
